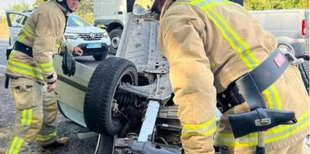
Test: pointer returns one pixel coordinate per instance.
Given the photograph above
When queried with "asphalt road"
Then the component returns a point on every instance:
(4, 44)
(65, 127)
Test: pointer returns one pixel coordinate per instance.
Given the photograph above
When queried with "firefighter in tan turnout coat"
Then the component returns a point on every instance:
(212, 46)
(33, 78)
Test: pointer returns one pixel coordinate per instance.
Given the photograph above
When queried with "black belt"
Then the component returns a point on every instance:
(250, 86)
(23, 48)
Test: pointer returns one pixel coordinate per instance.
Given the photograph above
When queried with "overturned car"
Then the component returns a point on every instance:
(126, 99)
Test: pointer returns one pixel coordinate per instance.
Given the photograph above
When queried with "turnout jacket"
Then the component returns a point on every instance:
(44, 33)
(211, 43)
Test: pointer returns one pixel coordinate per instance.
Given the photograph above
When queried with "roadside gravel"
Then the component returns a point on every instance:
(65, 127)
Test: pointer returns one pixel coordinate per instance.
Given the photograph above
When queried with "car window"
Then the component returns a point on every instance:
(19, 21)
(76, 21)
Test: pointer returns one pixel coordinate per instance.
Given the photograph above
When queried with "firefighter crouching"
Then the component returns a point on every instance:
(33, 78)
(218, 52)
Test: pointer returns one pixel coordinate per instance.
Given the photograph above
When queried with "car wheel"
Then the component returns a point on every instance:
(115, 36)
(104, 101)
(102, 56)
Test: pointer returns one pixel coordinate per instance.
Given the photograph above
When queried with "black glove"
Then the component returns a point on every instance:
(68, 63)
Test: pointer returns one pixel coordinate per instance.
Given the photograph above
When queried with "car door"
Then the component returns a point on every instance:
(16, 21)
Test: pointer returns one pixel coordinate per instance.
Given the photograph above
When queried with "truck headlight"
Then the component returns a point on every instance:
(72, 36)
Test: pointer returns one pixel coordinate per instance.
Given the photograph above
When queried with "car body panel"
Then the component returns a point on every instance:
(286, 26)
(72, 90)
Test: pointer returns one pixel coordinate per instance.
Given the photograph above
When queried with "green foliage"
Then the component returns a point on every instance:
(20, 6)
(85, 10)
(275, 4)
(38, 3)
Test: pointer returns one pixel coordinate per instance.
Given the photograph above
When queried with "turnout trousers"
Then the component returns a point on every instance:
(36, 111)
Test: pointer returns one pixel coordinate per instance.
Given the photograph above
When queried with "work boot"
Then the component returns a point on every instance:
(59, 143)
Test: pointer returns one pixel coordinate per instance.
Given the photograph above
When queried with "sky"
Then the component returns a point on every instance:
(5, 3)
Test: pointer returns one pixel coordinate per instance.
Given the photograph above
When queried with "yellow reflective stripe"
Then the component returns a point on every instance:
(242, 47)
(12, 145)
(206, 4)
(31, 31)
(46, 67)
(206, 129)
(21, 38)
(15, 146)
(19, 144)
(212, 64)
(46, 137)
(29, 117)
(28, 31)
(272, 135)
(26, 117)
(57, 45)
(273, 97)
(26, 66)
(24, 69)
(12, 53)
(234, 40)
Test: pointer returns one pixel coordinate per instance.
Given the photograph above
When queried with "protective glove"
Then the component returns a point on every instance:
(68, 63)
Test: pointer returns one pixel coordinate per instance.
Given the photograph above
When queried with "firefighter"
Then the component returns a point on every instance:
(212, 46)
(33, 78)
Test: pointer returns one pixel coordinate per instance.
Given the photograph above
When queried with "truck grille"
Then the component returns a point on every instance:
(90, 36)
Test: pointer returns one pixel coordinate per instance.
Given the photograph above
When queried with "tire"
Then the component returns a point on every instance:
(101, 57)
(115, 36)
(304, 71)
(100, 95)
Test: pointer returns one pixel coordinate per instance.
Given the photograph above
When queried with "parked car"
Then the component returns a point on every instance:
(94, 41)
(288, 26)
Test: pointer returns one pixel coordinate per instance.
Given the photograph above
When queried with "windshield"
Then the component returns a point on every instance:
(76, 21)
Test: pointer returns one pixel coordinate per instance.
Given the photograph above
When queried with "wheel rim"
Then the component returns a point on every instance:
(115, 41)
(122, 99)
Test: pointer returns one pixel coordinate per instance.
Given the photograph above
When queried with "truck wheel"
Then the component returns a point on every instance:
(115, 36)
(102, 105)
(100, 57)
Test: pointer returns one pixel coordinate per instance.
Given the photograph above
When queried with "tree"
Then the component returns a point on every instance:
(20, 6)
(275, 4)
(38, 3)
(85, 9)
